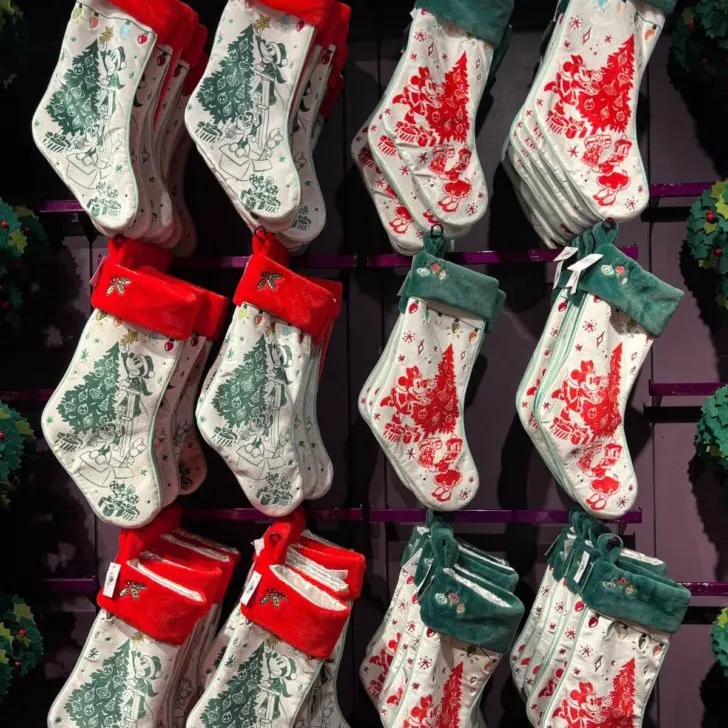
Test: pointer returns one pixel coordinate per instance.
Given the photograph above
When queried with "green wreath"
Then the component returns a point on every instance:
(21, 643)
(16, 442)
(719, 640)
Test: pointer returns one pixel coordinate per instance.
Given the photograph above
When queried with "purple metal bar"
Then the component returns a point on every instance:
(679, 189)
(482, 257)
(251, 514)
(29, 395)
(60, 206)
(72, 587)
(707, 588)
(240, 261)
(684, 389)
(469, 515)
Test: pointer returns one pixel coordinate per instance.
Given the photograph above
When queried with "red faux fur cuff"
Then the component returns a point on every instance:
(337, 65)
(158, 15)
(265, 243)
(313, 12)
(336, 290)
(150, 607)
(193, 53)
(341, 33)
(195, 75)
(310, 622)
(325, 35)
(336, 85)
(185, 568)
(136, 253)
(213, 307)
(132, 541)
(337, 559)
(271, 287)
(144, 300)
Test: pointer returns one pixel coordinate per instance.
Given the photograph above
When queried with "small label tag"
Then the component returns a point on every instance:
(250, 587)
(582, 567)
(552, 547)
(565, 254)
(258, 546)
(112, 576)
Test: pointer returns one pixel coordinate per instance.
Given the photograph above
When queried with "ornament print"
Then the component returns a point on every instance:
(82, 122)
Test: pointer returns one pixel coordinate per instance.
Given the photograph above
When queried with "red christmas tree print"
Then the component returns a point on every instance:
(449, 716)
(604, 103)
(620, 713)
(441, 414)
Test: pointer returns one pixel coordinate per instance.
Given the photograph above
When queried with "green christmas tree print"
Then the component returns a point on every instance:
(236, 706)
(121, 503)
(90, 405)
(225, 94)
(74, 107)
(242, 399)
(96, 703)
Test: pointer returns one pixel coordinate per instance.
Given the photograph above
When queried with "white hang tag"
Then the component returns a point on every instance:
(582, 567)
(250, 587)
(112, 576)
(577, 269)
(258, 546)
(564, 255)
(97, 273)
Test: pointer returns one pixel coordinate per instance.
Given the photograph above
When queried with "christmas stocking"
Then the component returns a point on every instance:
(430, 106)
(550, 667)
(123, 674)
(581, 401)
(238, 115)
(247, 412)
(417, 417)
(468, 562)
(99, 422)
(469, 627)
(625, 628)
(586, 99)
(290, 626)
(311, 216)
(82, 125)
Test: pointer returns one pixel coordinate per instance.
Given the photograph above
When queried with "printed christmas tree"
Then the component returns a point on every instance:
(451, 700)
(225, 94)
(90, 405)
(74, 107)
(450, 120)
(241, 399)
(96, 703)
(620, 713)
(609, 108)
(441, 413)
(235, 707)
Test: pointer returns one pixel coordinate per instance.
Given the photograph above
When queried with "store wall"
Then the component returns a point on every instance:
(683, 518)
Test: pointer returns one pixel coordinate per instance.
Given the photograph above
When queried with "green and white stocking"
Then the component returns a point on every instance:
(238, 114)
(83, 123)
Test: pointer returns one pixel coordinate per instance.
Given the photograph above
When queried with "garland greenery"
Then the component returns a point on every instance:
(21, 643)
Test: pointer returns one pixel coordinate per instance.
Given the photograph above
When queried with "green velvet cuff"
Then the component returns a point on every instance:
(454, 285)
(629, 595)
(484, 565)
(485, 19)
(626, 285)
(485, 616)
(667, 6)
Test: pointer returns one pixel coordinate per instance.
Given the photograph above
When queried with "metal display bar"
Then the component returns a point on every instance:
(72, 587)
(240, 261)
(471, 515)
(707, 588)
(25, 396)
(251, 514)
(684, 389)
(679, 189)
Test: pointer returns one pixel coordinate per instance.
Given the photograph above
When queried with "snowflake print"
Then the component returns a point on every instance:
(641, 188)
(422, 159)
(415, 686)
(404, 170)
(585, 651)
(377, 416)
(380, 183)
(420, 233)
(538, 611)
(373, 127)
(607, 38)
(579, 347)
(539, 102)
(567, 45)
(552, 627)
(411, 626)
(464, 494)
(573, 151)
(622, 502)
(545, 591)
(554, 332)
(481, 195)
(577, 671)
(411, 453)
(408, 337)
(420, 36)
(425, 663)
(413, 56)
(570, 633)
(400, 358)
(575, 23)
(559, 608)
(529, 112)
(590, 327)
(444, 57)
(631, 204)
(530, 681)
(471, 209)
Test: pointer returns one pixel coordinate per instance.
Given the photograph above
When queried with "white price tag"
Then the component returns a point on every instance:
(565, 254)
(250, 587)
(258, 546)
(582, 567)
(112, 576)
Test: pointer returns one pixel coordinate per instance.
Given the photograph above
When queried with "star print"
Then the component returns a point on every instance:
(422, 158)
(411, 453)
(49, 420)
(143, 472)
(408, 337)
(444, 57)
(373, 127)
(529, 112)
(530, 681)
(590, 326)
(607, 38)
(573, 151)
(378, 416)
(413, 56)
(585, 651)
(579, 347)
(388, 112)
(362, 400)
(567, 44)
(400, 358)
(404, 170)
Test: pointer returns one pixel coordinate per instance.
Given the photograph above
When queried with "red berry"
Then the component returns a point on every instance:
(710, 216)
(4, 224)
(2, 436)
(717, 252)
(26, 230)
(18, 664)
(691, 25)
(22, 632)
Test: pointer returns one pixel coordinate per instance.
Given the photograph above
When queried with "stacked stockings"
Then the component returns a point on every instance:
(451, 618)
(594, 642)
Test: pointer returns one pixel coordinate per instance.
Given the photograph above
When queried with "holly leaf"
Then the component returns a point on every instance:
(721, 207)
(3, 658)
(22, 611)
(18, 240)
(5, 633)
(24, 428)
(710, 227)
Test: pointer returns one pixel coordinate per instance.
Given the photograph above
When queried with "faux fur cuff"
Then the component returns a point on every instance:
(192, 54)
(313, 12)
(485, 19)
(158, 15)
(136, 253)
